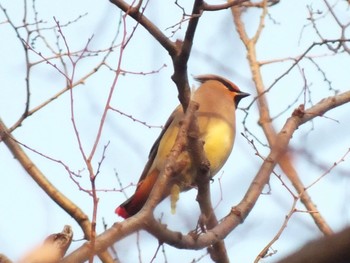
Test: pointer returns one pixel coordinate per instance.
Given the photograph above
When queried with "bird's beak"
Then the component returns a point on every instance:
(242, 95)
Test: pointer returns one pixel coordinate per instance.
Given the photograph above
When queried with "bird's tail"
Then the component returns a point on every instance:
(134, 204)
(123, 210)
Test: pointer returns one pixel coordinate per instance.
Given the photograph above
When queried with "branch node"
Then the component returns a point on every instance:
(299, 112)
(235, 211)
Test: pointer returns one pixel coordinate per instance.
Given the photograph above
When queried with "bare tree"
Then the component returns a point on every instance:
(287, 133)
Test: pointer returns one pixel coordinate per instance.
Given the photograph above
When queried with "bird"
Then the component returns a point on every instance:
(218, 99)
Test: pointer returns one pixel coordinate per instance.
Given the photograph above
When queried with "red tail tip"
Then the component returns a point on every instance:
(121, 211)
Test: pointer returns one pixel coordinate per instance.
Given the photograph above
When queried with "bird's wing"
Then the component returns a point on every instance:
(154, 149)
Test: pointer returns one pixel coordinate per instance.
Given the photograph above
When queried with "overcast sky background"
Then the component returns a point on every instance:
(27, 216)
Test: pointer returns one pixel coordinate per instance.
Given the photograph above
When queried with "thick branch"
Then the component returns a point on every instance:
(208, 218)
(171, 165)
(237, 214)
(241, 211)
(335, 249)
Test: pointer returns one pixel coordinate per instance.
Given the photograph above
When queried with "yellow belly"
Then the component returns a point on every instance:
(218, 144)
(218, 138)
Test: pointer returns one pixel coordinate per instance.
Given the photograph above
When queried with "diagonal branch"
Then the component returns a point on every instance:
(237, 214)
(284, 161)
(135, 13)
(241, 211)
(65, 203)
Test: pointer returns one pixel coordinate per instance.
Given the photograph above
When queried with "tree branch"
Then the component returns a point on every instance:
(237, 214)
(334, 248)
(208, 218)
(229, 4)
(144, 219)
(53, 248)
(180, 54)
(265, 119)
(135, 13)
(180, 59)
(65, 203)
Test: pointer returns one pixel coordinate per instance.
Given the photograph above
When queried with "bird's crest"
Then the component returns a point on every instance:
(228, 84)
